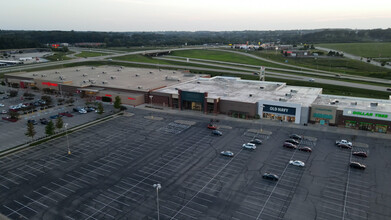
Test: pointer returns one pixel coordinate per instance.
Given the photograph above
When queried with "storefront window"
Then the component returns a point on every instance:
(279, 117)
(365, 126)
(381, 128)
(350, 124)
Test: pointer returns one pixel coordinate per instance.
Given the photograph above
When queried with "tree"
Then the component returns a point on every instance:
(100, 108)
(13, 114)
(59, 123)
(30, 130)
(117, 102)
(49, 129)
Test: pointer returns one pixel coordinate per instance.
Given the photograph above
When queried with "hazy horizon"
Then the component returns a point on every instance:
(201, 15)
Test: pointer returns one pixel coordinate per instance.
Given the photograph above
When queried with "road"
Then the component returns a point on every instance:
(354, 57)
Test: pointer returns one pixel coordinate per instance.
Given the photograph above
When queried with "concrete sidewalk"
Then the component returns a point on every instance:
(267, 122)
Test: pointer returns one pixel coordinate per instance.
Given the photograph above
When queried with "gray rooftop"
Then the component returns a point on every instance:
(235, 89)
(141, 79)
(342, 102)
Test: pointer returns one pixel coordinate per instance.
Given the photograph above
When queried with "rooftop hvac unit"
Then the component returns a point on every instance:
(250, 95)
(56, 72)
(104, 82)
(173, 72)
(104, 72)
(353, 103)
(43, 75)
(92, 81)
(121, 67)
(198, 82)
(84, 81)
(113, 77)
(172, 78)
(139, 87)
(288, 94)
(261, 87)
(92, 68)
(136, 75)
(62, 77)
(34, 74)
(118, 70)
(282, 100)
(374, 104)
(150, 72)
(293, 91)
(85, 74)
(77, 70)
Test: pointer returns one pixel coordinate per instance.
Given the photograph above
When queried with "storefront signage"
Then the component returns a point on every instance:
(49, 84)
(367, 114)
(279, 109)
(320, 115)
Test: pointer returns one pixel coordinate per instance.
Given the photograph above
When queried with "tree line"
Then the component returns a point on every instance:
(33, 39)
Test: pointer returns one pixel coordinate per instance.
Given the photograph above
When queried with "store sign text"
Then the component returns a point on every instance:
(367, 114)
(370, 114)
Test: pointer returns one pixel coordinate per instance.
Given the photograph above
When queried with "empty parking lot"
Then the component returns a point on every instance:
(113, 166)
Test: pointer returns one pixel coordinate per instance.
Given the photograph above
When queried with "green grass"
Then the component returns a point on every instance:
(223, 56)
(58, 56)
(332, 64)
(91, 54)
(373, 50)
(132, 49)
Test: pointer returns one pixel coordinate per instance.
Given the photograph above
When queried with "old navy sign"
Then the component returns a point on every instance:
(367, 114)
(279, 109)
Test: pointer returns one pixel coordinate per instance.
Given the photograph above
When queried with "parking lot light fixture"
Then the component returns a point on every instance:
(66, 134)
(157, 186)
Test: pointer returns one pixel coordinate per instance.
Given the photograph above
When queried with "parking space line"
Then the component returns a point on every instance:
(45, 196)
(54, 191)
(13, 211)
(78, 179)
(85, 174)
(24, 206)
(107, 206)
(176, 210)
(28, 173)
(85, 214)
(104, 213)
(117, 201)
(17, 175)
(36, 201)
(10, 180)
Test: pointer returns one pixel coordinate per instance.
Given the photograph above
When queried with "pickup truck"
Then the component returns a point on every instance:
(343, 142)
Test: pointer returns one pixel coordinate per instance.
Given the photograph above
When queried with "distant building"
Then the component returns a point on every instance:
(296, 53)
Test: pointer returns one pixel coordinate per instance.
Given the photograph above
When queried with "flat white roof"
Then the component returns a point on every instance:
(251, 91)
(342, 102)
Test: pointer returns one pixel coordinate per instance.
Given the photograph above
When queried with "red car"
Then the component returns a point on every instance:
(10, 119)
(360, 154)
(210, 126)
(306, 149)
(289, 145)
(66, 114)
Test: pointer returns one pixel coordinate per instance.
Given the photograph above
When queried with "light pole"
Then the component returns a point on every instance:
(157, 186)
(66, 133)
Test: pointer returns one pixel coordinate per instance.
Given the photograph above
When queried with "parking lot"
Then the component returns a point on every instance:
(114, 165)
(13, 133)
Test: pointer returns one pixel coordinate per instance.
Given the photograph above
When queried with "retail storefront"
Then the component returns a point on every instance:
(324, 115)
(281, 111)
(192, 100)
(366, 120)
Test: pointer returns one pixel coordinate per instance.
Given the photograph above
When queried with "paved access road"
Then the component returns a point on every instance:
(114, 164)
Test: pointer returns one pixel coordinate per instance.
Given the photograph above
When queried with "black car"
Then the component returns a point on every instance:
(217, 132)
(346, 146)
(31, 121)
(296, 137)
(357, 165)
(256, 141)
(360, 154)
(289, 145)
(292, 141)
(270, 176)
(44, 121)
(89, 109)
(305, 149)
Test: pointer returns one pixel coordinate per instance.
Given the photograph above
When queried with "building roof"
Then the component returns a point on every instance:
(235, 89)
(343, 102)
(140, 79)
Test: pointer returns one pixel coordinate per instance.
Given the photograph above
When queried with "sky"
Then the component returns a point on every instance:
(192, 15)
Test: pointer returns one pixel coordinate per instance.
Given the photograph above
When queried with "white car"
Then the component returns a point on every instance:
(1, 105)
(344, 142)
(297, 163)
(249, 146)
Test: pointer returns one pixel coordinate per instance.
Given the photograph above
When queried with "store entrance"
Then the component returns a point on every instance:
(196, 106)
(279, 117)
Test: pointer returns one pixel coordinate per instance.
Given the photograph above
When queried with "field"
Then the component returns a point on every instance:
(373, 50)
(58, 56)
(91, 54)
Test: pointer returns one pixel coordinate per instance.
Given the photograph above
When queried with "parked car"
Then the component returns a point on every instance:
(44, 121)
(227, 153)
(80, 110)
(55, 116)
(256, 141)
(289, 145)
(217, 133)
(1, 105)
(298, 163)
(66, 114)
(270, 176)
(4, 111)
(305, 149)
(357, 165)
(89, 109)
(210, 126)
(32, 121)
(10, 119)
(250, 146)
(343, 142)
(292, 141)
(296, 137)
(346, 146)
(360, 154)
